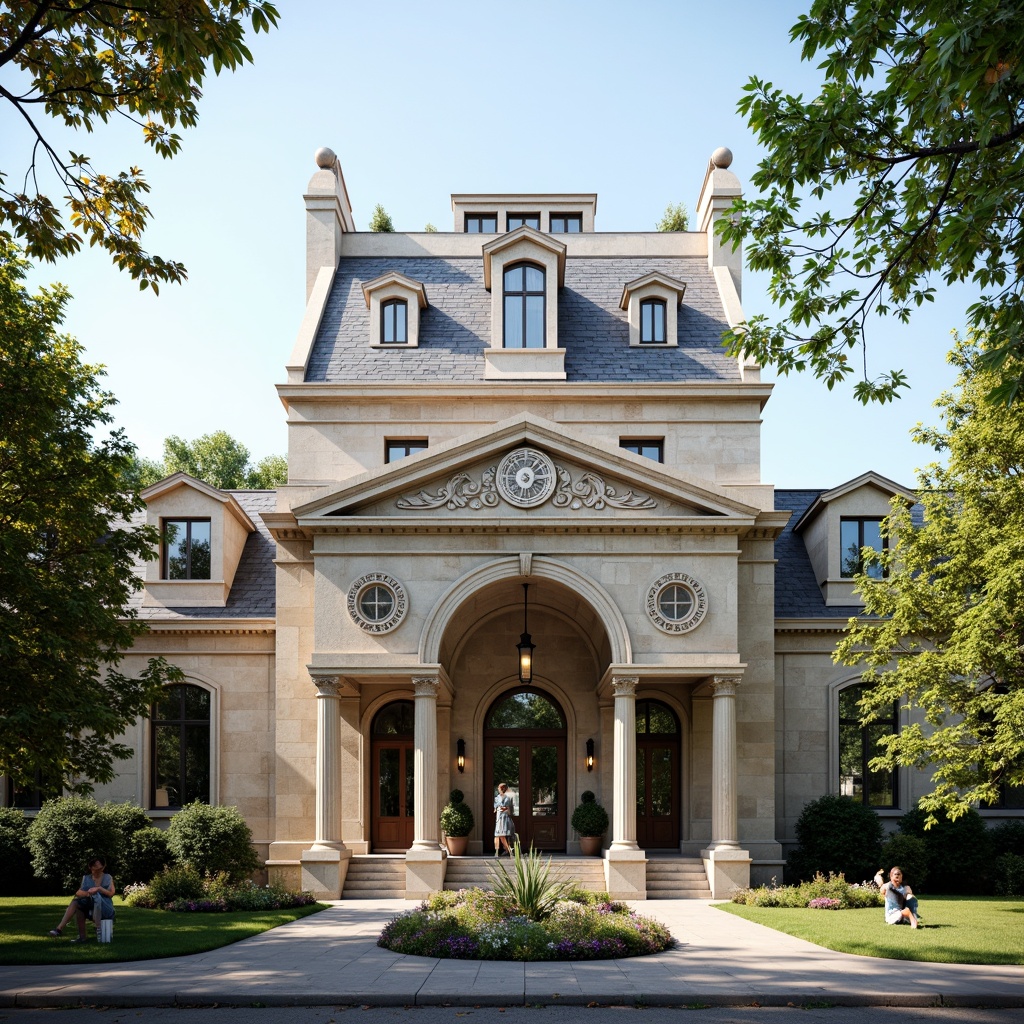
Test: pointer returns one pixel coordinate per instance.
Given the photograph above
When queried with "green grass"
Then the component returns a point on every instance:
(959, 930)
(138, 934)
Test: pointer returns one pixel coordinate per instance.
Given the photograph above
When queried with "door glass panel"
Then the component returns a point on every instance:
(544, 781)
(389, 782)
(661, 782)
(641, 782)
(506, 769)
(525, 710)
(410, 761)
(662, 720)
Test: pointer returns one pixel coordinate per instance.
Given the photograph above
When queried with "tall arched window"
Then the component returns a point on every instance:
(180, 724)
(858, 744)
(394, 322)
(652, 322)
(524, 307)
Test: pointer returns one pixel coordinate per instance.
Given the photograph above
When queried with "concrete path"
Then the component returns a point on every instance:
(331, 958)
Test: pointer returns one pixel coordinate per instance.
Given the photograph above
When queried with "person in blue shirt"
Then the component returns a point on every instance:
(94, 899)
(900, 901)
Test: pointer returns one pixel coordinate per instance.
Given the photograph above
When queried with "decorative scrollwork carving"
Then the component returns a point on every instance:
(590, 491)
(459, 492)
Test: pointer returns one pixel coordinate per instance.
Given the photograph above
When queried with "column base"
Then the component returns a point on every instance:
(424, 872)
(727, 868)
(625, 873)
(324, 870)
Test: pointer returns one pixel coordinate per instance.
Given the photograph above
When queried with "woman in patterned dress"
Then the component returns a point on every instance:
(504, 827)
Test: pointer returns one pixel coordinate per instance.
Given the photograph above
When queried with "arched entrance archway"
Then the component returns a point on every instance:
(658, 739)
(524, 746)
(391, 750)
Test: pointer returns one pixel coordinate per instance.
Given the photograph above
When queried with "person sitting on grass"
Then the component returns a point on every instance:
(94, 899)
(900, 901)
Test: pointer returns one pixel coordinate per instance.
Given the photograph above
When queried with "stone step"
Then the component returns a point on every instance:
(677, 878)
(375, 877)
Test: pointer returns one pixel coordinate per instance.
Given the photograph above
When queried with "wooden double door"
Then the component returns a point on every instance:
(533, 768)
(657, 776)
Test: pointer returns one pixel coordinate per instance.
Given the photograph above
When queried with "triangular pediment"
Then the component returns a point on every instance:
(476, 476)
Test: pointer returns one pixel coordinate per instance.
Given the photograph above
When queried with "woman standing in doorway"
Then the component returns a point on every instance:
(504, 827)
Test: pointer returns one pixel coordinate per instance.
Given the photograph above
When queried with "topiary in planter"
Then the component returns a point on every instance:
(590, 818)
(456, 818)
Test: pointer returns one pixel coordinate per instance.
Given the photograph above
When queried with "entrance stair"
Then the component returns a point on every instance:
(375, 876)
(676, 878)
(471, 872)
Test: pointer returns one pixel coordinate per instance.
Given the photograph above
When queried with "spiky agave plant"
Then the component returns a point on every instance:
(528, 889)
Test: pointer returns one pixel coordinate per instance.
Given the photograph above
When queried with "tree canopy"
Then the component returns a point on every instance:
(381, 220)
(675, 218)
(904, 173)
(943, 629)
(85, 63)
(67, 554)
(216, 458)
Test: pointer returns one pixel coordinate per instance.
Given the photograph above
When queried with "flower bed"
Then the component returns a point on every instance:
(475, 925)
(821, 893)
(184, 890)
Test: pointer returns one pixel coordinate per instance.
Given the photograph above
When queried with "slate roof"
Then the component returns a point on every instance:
(456, 326)
(253, 593)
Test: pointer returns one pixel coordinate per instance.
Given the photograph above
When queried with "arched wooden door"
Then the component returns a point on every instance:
(524, 747)
(658, 739)
(391, 754)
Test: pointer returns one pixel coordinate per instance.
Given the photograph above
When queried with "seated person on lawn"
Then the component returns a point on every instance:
(900, 901)
(94, 899)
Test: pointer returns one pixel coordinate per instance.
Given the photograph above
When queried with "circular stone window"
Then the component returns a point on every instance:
(677, 602)
(377, 602)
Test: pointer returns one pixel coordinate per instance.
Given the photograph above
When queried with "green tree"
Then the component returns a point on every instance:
(67, 554)
(86, 63)
(216, 458)
(943, 629)
(271, 471)
(906, 169)
(675, 218)
(381, 220)
(429, 228)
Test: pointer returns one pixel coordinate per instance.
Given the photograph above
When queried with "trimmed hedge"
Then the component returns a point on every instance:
(213, 840)
(836, 835)
(959, 852)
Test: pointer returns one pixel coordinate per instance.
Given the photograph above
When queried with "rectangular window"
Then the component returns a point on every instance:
(517, 220)
(186, 549)
(566, 223)
(180, 723)
(394, 323)
(652, 322)
(31, 797)
(1011, 798)
(858, 744)
(648, 447)
(395, 450)
(854, 535)
(481, 223)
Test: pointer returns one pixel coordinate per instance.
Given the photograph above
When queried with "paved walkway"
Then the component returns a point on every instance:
(331, 958)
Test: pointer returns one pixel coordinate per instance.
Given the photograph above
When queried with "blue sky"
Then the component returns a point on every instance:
(419, 101)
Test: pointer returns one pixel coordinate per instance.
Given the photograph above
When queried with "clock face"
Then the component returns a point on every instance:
(526, 477)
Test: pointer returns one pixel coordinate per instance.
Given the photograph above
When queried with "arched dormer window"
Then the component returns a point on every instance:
(394, 322)
(652, 322)
(524, 307)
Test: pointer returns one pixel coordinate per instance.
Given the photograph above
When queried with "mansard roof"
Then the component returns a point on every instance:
(456, 328)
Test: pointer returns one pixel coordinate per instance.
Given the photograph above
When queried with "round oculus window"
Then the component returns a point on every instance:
(677, 603)
(526, 477)
(377, 602)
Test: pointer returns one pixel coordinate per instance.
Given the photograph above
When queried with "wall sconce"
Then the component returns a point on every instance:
(460, 754)
(590, 755)
(525, 647)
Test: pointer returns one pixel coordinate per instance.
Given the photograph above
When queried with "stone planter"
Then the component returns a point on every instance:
(590, 846)
(456, 845)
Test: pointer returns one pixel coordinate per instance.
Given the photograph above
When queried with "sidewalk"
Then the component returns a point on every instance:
(332, 958)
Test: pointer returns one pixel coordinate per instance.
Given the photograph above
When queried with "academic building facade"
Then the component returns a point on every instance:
(524, 538)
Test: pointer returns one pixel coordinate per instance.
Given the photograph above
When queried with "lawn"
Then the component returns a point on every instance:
(959, 930)
(138, 934)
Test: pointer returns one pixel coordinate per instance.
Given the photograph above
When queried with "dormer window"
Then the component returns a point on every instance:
(481, 223)
(652, 304)
(652, 322)
(855, 534)
(518, 220)
(394, 322)
(524, 307)
(566, 223)
(186, 549)
(394, 302)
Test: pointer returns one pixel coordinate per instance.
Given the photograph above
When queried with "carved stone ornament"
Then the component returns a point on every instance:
(425, 686)
(377, 602)
(677, 602)
(328, 686)
(526, 478)
(625, 686)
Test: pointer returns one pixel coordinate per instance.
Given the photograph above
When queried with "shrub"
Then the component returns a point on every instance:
(834, 888)
(959, 861)
(457, 817)
(147, 853)
(528, 891)
(589, 818)
(212, 839)
(17, 878)
(1008, 875)
(64, 834)
(1007, 837)
(836, 834)
(180, 882)
(911, 854)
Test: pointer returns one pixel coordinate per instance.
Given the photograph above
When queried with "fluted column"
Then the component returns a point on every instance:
(426, 833)
(724, 834)
(624, 764)
(328, 764)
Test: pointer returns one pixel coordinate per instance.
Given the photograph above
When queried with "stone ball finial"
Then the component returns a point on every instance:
(722, 157)
(325, 157)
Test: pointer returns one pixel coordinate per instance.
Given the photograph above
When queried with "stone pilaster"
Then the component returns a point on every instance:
(425, 861)
(625, 862)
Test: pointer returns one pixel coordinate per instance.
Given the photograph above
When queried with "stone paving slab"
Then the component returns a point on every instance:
(332, 958)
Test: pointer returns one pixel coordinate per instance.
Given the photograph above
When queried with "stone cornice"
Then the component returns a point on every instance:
(198, 627)
(526, 523)
(810, 625)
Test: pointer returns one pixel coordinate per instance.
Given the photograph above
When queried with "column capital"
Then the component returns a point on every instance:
(625, 686)
(328, 685)
(426, 686)
(725, 686)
